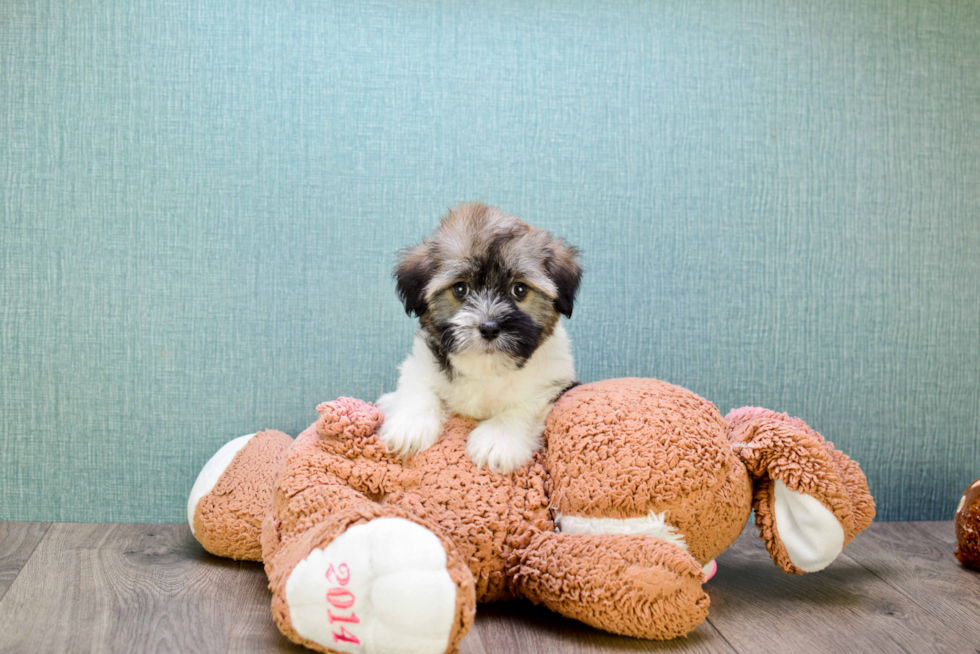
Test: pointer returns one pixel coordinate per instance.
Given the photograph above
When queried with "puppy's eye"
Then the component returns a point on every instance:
(519, 291)
(460, 289)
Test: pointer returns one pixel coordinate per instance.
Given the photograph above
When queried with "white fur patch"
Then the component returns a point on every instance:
(654, 525)
(506, 441)
(379, 588)
(211, 473)
(482, 387)
(809, 531)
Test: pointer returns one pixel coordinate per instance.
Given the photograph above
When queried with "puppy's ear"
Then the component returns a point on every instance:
(412, 274)
(564, 270)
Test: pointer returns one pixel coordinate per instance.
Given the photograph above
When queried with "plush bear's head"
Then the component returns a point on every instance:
(646, 457)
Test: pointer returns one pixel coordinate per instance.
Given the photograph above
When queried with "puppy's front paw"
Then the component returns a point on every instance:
(407, 430)
(501, 449)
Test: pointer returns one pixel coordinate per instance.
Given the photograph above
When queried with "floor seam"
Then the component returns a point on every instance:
(721, 635)
(231, 621)
(901, 591)
(929, 534)
(29, 557)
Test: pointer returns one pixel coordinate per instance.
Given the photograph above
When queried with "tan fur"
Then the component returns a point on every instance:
(615, 449)
(462, 236)
(465, 231)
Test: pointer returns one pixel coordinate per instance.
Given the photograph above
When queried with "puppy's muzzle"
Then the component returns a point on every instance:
(489, 329)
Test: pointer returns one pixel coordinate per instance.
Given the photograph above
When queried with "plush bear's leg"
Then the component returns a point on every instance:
(233, 493)
(349, 574)
(810, 500)
(370, 578)
(633, 585)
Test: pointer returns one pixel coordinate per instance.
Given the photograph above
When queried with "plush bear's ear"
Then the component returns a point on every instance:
(810, 499)
(564, 270)
(412, 274)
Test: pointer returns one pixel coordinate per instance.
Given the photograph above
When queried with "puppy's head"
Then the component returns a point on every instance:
(488, 283)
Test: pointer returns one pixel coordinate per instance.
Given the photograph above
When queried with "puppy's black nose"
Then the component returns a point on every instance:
(490, 329)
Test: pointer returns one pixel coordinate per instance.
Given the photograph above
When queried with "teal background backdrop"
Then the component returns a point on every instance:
(779, 204)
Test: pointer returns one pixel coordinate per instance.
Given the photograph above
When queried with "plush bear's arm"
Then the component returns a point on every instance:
(334, 464)
(810, 500)
(631, 585)
(233, 493)
(348, 434)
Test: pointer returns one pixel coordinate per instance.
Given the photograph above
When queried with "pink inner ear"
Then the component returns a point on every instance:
(710, 570)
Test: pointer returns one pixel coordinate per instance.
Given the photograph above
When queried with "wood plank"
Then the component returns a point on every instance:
(136, 588)
(844, 608)
(17, 543)
(519, 627)
(119, 588)
(917, 560)
(941, 530)
(252, 627)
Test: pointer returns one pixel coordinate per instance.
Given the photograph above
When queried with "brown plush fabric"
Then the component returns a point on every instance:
(479, 508)
(631, 585)
(623, 448)
(776, 446)
(228, 520)
(967, 525)
(619, 449)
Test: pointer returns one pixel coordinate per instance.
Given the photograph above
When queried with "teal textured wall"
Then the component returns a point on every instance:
(779, 204)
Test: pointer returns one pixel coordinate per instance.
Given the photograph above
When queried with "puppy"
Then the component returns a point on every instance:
(489, 291)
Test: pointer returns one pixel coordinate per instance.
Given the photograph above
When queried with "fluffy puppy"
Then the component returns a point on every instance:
(489, 291)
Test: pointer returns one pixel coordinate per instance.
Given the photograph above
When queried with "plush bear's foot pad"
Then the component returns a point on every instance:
(811, 534)
(380, 587)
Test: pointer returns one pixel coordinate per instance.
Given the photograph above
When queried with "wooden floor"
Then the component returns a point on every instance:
(151, 588)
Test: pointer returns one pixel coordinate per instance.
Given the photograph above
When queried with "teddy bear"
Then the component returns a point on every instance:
(639, 486)
(966, 522)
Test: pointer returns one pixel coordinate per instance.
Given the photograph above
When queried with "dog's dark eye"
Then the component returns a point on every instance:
(460, 289)
(519, 290)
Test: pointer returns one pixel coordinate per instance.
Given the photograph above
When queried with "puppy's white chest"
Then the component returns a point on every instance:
(485, 386)
(483, 397)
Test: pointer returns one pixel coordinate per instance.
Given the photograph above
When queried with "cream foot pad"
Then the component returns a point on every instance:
(379, 588)
(810, 533)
